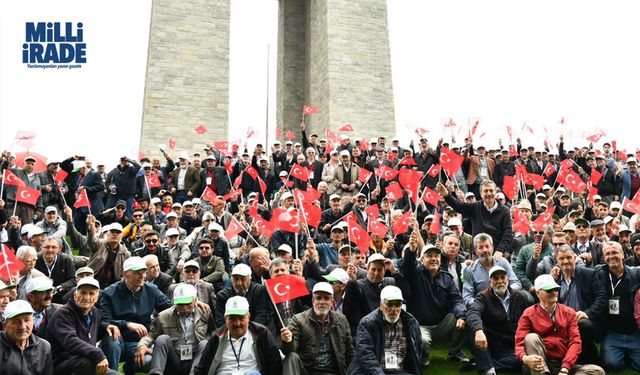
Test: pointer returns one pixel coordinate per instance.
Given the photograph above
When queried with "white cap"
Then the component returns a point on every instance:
(624, 228)
(236, 305)
(4, 286)
(344, 153)
(241, 270)
(134, 264)
(632, 160)
(26, 228)
(176, 205)
(50, 209)
(545, 282)
(39, 284)
(191, 263)
(597, 197)
(546, 187)
(560, 190)
(184, 155)
(155, 200)
(323, 287)
(115, 226)
(207, 216)
(284, 247)
(540, 195)
(172, 232)
(285, 195)
(375, 257)
(430, 247)
(469, 194)
(607, 220)
(34, 231)
(495, 269)
(334, 196)
(196, 201)
(333, 152)
(373, 140)
(215, 226)
(17, 307)
(391, 293)
(615, 205)
(338, 274)
(146, 165)
(454, 221)
(171, 214)
(499, 195)
(88, 281)
(184, 294)
(77, 164)
(187, 203)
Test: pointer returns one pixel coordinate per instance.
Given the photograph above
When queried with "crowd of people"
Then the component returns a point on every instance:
(164, 266)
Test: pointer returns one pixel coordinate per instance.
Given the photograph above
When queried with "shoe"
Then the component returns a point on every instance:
(426, 362)
(468, 365)
(459, 357)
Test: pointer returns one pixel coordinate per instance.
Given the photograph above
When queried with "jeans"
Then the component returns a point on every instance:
(616, 345)
(78, 366)
(118, 351)
(499, 355)
(444, 332)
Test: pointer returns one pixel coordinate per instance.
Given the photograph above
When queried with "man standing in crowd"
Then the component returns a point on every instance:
(122, 183)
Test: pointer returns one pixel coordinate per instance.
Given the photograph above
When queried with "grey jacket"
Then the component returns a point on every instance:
(167, 323)
(34, 360)
(100, 253)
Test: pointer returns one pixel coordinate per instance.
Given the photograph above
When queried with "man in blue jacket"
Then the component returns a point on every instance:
(128, 304)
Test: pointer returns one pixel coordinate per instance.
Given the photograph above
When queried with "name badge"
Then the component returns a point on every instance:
(237, 372)
(310, 175)
(614, 306)
(391, 360)
(186, 352)
(208, 180)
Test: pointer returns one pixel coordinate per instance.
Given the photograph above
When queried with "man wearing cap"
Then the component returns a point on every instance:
(387, 339)
(533, 252)
(81, 273)
(108, 254)
(346, 176)
(52, 225)
(176, 248)
(178, 335)
(57, 266)
(547, 338)
(317, 340)
(214, 177)
(476, 276)
(39, 295)
(5, 298)
(493, 319)
(129, 304)
(549, 261)
(204, 290)
(621, 283)
(505, 167)
(185, 180)
(452, 260)
(465, 240)
(338, 279)
(154, 275)
(585, 248)
(51, 194)
(610, 183)
(630, 179)
(481, 167)
(240, 345)
(328, 252)
(21, 351)
(115, 215)
(210, 266)
(241, 285)
(28, 256)
(122, 182)
(329, 169)
(24, 211)
(220, 244)
(330, 216)
(435, 300)
(314, 166)
(75, 330)
(487, 216)
(152, 246)
(633, 260)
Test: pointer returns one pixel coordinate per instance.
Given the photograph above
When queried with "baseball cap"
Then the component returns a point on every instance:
(172, 232)
(596, 223)
(615, 205)
(632, 160)
(454, 221)
(546, 187)
(4, 286)
(344, 248)
(496, 269)
(469, 195)
(121, 203)
(50, 209)
(525, 204)
(241, 270)
(88, 281)
(187, 203)
(26, 228)
(338, 274)
(391, 293)
(430, 247)
(35, 231)
(376, 257)
(155, 200)
(192, 263)
(337, 227)
(171, 214)
(236, 305)
(184, 155)
(545, 282)
(82, 270)
(176, 205)
(569, 226)
(77, 164)
(323, 287)
(286, 195)
(624, 228)
(115, 226)
(215, 226)
(284, 247)
(17, 307)
(344, 153)
(560, 190)
(196, 201)
(334, 196)
(184, 294)
(39, 284)
(134, 264)
(581, 220)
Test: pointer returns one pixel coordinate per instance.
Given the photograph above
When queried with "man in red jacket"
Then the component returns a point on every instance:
(547, 338)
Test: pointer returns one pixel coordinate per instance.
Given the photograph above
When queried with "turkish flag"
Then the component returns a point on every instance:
(594, 137)
(387, 172)
(10, 178)
(434, 227)
(595, 177)
(364, 145)
(543, 219)
(278, 133)
(431, 196)
(521, 171)
(228, 167)
(572, 181)
(357, 234)
(286, 220)
(450, 161)
(592, 192)
(434, 170)
(208, 194)
(290, 135)
(533, 179)
(172, 144)
(251, 132)
(263, 186)
(300, 172)
(312, 194)
(346, 128)
(421, 132)
(373, 212)
(82, 200)
(10, 265)
(309, 110)
(233, 229)
(153, 181)
(264, 227)
(136, 204)
(60, 176)
(614, 145)
(512, 150)
(521, 222)
(631, 205)
(27, 195)
(231, 194)
(331, 136)
(299, 196)
(25, 138)
(402, 225)
(201, 129)
(251, 171)
(376, 227)
(286, 287)
(221, 145)
(410, 181)
(329, 148)
(510, 132)
(510, 187)
(394, 192)
(549, 169)
(450, 123)
(407, 161)
(474, 128)
(365, 175)
(566, 164)
(312, 214)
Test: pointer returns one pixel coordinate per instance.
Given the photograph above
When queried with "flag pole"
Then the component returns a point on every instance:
(2, 187)
(266, 125)
(146, 183)
(275, 307)
(6, 263)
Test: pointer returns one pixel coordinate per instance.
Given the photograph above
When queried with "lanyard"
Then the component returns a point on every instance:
(50, 269)
(613, 287)
(239, 351)
(88, 320)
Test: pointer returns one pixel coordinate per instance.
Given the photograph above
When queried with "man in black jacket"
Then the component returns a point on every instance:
(493, 319)
(122, 183)
(57, 266)
(241, 285)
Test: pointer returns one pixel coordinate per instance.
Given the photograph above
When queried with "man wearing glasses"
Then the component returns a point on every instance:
(109, 253)
(152, 246)
(535, 251)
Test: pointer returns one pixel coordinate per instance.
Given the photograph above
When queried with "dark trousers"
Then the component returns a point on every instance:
(588, 335)
(166, 357)
(499, 355)
(77, 366)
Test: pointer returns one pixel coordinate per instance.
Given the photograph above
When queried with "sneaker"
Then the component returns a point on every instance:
(459, 357)
(468, 365)
(426, 362)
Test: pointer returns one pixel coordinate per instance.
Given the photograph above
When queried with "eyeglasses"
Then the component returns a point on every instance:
(150, 241)
(558, 244)
(191, 270)
(539, 233)
(119, 208)
(137, 216)
(581, 226)
(393, 303)
(551, 290)
(204, 248)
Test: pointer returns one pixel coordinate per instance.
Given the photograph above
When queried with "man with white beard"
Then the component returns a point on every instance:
(318, 340)
(388, 339)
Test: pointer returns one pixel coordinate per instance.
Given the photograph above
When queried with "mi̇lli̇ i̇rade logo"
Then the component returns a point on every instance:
(54, 45)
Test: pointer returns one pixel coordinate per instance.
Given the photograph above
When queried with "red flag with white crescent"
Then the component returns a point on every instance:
(208, 194)
(387, 172)
(521, 223)
(28, 195)
(434, 170)
(346, 128)
(450, 161)
(394, 192)
(358, 235)
(309, 109)
(402, 224)
(11, 179)
(153, 181)
(233, 229)
(434, 227)
(286, 287)
(300, 172)
(82, 200)
(10, 265)
(544, 219)
(431, 196)
(364, 175)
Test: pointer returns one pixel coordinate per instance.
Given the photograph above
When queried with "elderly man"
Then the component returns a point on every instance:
(211, 267)
(434, 300)
(28, 256)
(240, 345)
(20, 350)
(53, 225)
(108, 254)
(24, 211)
(346, 176)
(620, 282)
(57, 266)
(547, 338)
(129, 304)
(154, 275)
(338, 279)
(476, 276)
(241, 285)
(533, 252)
(185, 180)
(588, 250)
(75, 330)
(259, 259)
(487, 216)
(152, 246)
(452, 261)
(191, 275)
(493, 319)
(318, 340)
(5, 298)
(220, 244)
(39, 295)
(177, 249)
(387, 340)
(178, 335)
